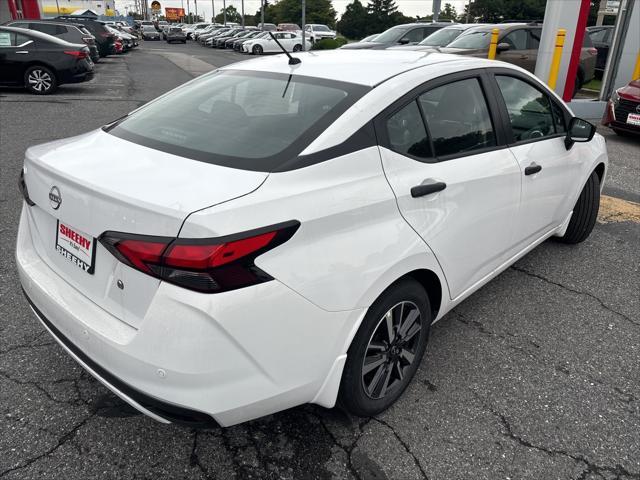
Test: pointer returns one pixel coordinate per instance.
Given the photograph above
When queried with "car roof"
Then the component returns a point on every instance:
(364, 67)
(37, 34)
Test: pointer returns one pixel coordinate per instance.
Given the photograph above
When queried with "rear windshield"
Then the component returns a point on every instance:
(247, 120)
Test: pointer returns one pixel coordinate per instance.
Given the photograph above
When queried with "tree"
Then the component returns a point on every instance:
(382, 14)
(232, 15)
(448, 13)
(494, 11)
(269, 15)
(354, 22)
(317, 11)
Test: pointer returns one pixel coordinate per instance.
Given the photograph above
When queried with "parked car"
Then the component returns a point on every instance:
(267, 27)
(440, 38)
(206, 32)
(211, 38)
(221, 39)
(41, 62)
(104, 38)
(195, 29)
(318, 222)
(257, 46)
(601, 37)
(518, 44)
(237, 44)
(72, 33)
(315, 32)
(230, 41)
(288, 27)
(622, 114)
(407, 34)
(128, 41)
(149, 32)
(175, 34)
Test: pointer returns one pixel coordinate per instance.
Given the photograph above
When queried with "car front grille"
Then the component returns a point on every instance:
(624, 108)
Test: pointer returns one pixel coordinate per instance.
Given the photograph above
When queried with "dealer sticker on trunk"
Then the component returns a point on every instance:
(76, 246)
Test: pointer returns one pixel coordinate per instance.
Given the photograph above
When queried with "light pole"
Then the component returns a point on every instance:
(242, 3)
(262, 15)
(304, 44)
(213, 13)
(224, 12)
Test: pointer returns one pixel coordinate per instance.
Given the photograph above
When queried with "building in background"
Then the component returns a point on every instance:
(15, 9)
(51, 8)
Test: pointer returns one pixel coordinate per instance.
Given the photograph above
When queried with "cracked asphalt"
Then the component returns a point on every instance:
(536, 376)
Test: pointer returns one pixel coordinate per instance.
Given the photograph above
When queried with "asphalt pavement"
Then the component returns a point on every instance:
(536, 376)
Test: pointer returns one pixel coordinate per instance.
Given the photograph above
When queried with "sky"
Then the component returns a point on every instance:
(410, 8)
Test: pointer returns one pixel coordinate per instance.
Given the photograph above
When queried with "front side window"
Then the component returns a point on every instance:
(240, 119)
(529, 109)
(478, 39)
(407, 134)
(413, 36)
(458, 118)
(517, 39)
(442, 37)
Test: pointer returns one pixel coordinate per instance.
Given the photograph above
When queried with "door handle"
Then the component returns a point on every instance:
(426, 189)
(22, 52)
(533, 168)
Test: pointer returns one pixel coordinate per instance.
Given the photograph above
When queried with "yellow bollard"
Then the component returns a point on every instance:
(636, 71)
(557, 56)
(494, 44)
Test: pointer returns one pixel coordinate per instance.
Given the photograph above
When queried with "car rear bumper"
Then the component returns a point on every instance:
(223, 358)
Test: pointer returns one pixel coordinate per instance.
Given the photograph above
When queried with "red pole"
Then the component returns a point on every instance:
(13, 9)
(578, 40)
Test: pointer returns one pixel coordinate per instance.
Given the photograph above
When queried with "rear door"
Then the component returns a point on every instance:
(455, 180)
(536, 126)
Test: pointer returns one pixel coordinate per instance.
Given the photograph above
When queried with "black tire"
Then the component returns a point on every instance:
(363, 400)
(40, 80)
(584, 213)
(257, 50)
(297, 48)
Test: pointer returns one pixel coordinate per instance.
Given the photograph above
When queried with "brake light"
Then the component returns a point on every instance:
(210, 265)
(78, 54)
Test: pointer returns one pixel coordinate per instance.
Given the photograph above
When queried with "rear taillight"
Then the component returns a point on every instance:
(78, 54)
(592, 51)
(209, 265)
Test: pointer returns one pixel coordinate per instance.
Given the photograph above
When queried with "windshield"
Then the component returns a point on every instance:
(390, 36)
(442, 37)
(472, 40)
(248, 120)
(321, 28)
(148, 27)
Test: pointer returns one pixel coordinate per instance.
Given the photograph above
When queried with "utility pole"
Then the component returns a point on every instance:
(242, 3)
(468, 11)
(224, 12)
(304, 44)
(188, 13)
(213, 13)
(262, 15)
(195, 3)
(58, 7)
(436, 9)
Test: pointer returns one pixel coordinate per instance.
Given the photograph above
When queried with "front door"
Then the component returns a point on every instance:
(14, 54)
(520, 50)
(537, 124)
(456, 182)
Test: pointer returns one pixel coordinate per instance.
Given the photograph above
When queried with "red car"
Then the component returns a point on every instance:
(623, 110)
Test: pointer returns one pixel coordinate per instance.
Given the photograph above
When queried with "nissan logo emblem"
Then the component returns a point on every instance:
(55, 199)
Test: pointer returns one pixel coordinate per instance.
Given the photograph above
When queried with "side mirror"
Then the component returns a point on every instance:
(403, 41)
(502, 47)
(579, 131)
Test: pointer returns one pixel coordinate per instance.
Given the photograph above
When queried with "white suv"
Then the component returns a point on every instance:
(315, 32)
(293, 237)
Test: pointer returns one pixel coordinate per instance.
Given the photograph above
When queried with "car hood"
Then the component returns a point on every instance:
(362, 46)
(462, 51)
(631, 91)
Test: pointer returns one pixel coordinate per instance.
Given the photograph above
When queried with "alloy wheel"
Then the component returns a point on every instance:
(40, 80)
(391, 350)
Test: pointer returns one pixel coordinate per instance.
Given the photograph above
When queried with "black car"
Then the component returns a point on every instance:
(237, 44)
(601, 37)
(72, 33)
(219, 41)
(407, 34)
(229, 42)
(41, 62)
(104, 38)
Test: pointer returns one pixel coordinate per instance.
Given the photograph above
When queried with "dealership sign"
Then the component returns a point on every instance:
(174, 13)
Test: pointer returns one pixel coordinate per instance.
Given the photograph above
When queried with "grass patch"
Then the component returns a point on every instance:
(593, 84)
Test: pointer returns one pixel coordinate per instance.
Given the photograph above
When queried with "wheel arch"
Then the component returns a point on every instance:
(600, 171)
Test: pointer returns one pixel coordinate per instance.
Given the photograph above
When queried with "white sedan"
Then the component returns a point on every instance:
(294, 236)
(265, 44)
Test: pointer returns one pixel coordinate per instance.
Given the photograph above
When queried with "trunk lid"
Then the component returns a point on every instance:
(96, 182)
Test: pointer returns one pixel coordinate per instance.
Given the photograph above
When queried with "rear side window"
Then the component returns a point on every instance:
(530, 110)
(458, 118)
(241, 119)
(407, 133)
(49, 28)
